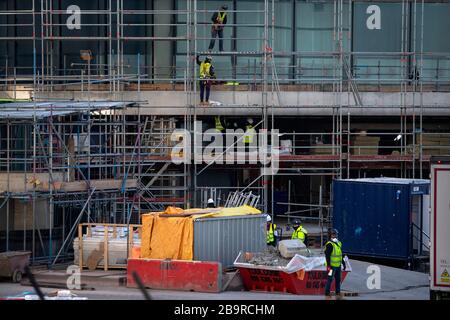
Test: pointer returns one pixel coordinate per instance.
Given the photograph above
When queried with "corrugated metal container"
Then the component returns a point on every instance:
(221, 239)
(374, 217)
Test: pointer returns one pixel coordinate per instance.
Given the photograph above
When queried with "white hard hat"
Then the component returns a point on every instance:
(268, 218)
(210, 200)
(250, 120)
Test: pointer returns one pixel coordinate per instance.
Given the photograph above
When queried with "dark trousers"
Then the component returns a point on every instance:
(214, 34)
(337, 276)
(205, 84)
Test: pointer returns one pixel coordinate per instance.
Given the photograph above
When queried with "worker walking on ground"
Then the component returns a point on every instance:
(219, 19)
(299, 232)
(206, 74)
(334, 261)
(272, 233)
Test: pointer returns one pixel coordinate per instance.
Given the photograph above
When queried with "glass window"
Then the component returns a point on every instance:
(436, 26)
(377, 27)
(283, 39)
(250, 38)
(315, 32)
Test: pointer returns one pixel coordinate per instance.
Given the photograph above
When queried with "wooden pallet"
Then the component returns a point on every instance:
(107, 226)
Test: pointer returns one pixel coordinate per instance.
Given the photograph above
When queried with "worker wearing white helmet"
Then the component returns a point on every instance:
(272, 233)
(211, 203)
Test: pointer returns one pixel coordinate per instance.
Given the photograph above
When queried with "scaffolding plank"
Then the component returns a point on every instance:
(25, 182)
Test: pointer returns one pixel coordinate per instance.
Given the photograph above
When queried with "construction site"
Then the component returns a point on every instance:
(322, 114)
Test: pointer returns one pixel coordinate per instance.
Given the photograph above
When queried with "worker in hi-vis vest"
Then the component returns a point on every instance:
(219, 19)
(219, 125)
(206, 73)
(334, 262)
(272, 233)
(299, 232)
(249, 132)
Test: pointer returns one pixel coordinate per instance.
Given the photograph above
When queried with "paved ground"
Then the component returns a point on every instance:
(395, 284)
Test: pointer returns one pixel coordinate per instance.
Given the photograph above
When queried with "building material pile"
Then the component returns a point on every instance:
(117, 250)
(58, 295)
(432, 145)
(322, 149)
(289, 248)
(202, 234)
(365, 145)
(301, 275)
(271, 259)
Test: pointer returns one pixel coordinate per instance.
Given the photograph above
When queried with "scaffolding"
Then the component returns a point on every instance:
(129, 150)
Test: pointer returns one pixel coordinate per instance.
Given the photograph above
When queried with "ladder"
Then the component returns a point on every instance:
(160, 184)
(237, 199)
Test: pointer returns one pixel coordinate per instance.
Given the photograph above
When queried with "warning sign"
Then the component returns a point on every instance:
(445, 277)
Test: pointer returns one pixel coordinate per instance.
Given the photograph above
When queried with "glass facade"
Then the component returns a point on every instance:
(375, 34)
(436, 41)
(382, 41)
(316, 39)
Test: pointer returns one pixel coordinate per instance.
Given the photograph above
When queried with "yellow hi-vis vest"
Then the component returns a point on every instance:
(336, 254)
(248, 135)
(219, 124)
(220, 17)
(204, 69)
(271, 234)
(300, 233)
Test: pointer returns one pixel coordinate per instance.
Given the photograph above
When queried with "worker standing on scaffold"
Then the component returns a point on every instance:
(206, 74)
(219, 19)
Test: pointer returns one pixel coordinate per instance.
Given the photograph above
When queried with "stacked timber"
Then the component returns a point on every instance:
(432, 145)
(322, 149)
(365, 145)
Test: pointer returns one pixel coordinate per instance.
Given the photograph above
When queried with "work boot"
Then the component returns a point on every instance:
(339, 296)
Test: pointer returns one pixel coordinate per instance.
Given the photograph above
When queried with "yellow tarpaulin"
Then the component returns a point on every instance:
(167, 238)
(225, 212)
(173, 237)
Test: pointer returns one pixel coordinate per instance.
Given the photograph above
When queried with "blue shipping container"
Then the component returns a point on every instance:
(373, 216)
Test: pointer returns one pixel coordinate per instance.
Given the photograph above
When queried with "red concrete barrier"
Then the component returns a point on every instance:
(176, 274)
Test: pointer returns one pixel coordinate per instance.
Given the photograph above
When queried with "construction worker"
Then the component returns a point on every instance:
(414, 75)
(272, 233)
(334, 262)
(249, 132)
(299, 232)
(219, 125)
(211, 203)
(219, 19)
(206, 74)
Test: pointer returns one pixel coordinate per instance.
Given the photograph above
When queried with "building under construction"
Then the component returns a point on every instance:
(97, 92)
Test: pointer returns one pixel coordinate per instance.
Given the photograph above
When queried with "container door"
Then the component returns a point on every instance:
(426, 223)
(416, 218)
